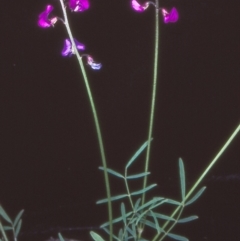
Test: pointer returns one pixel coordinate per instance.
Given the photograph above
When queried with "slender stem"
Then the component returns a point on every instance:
(95, 116)
(154, 88)
(230, 139)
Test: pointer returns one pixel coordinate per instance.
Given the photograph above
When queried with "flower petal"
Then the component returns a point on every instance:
(170, 17)
(67, 48)
(79, 5)
(93, 64)
(138, 7)
(43, 20)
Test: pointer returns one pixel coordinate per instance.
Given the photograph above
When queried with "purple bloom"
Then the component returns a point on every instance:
(44, 21)
(138, 7)
(68, 49)
(79, 5)
(93, 64)
(170, 17)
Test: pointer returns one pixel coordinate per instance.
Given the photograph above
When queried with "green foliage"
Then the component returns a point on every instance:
(148, 214)
(14, 226)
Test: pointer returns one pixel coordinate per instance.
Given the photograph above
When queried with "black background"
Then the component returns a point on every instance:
(49, 151)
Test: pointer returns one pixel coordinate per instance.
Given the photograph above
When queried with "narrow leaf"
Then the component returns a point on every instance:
(149, 203)
(138, 152)
(137, 204)
(156, 222)
(162, 216)
(177, 237)
(123, 212)
(6, 228)
(138, 175)
(112, 172)
(196, 196)
(96, 236)
(108, 232)
(173, 202)
(144, 190)
(182, 178)
(4, 215)
(188, 219)
(17, 218)
(18, 227)
(115, 220)
(112, 198)
(148, 223)
(60, 237)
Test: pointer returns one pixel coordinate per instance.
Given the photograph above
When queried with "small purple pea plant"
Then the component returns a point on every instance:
(142, 214)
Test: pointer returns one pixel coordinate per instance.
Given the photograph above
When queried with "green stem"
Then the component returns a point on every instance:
(154, 88)
(95, 116)
(230, 139)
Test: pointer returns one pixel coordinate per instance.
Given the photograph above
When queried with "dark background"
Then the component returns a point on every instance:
(49, 151)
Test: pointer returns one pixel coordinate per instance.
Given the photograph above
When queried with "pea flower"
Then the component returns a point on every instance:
(79, 5)
(168, 17)
(138, 7)
(68, 49)
(93, 64)
(44, 21)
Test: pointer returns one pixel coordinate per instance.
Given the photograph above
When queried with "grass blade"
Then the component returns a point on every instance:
(182, 178)
(196, 196)
(123, 212)
(18, 227)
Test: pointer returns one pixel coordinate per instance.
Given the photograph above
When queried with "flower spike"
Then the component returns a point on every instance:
(170, 17)
(68, 49)
(138, 7)
(79, 5)
(44, 21)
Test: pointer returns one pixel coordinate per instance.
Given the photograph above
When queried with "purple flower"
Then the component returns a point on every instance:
(79, 5)
(170, 17)
(138, 7)
(68, 49)
(93, 64)
(44, 21)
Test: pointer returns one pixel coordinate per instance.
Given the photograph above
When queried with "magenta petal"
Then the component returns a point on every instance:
(67, 48)
(170, 17)
(43, 20)
(79, 5)
(138, 7)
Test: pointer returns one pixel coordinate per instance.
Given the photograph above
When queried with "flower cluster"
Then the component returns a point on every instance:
(168, 17)
(45, 21)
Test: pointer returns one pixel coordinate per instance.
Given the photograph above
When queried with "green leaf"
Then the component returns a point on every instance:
(138, 175)
(4, 215)
(112, 172)
(182, 178)
(134, 231)
(149, 203)
(17, 218)
(108, 232)
(120, 234)
(112, 198)
(162, 216)
(115, 220)
(18, 227)
(144, 190)
(196, 196)
(60, 237)
(137, 204)
(6, 228)
(123, 212)
(148, 223)
(173, 202)
(96, 236)
(188, 219)
(138, 152)
(177, 237)
(156, 222)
